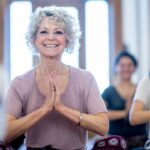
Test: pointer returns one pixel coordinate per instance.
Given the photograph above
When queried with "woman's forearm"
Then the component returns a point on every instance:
(140, 117)
(96, 123)
(116, 115)
(16, 127)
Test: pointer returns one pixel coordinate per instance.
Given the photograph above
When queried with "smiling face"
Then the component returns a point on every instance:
(125, 68)
(50, 39)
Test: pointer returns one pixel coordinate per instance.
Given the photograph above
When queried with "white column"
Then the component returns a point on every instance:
(129, 24)
(136, 32)
(144, 37)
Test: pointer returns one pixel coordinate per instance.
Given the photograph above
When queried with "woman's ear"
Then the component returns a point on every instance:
(67, 43)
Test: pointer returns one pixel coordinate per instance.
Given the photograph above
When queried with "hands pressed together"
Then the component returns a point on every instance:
(52, 100)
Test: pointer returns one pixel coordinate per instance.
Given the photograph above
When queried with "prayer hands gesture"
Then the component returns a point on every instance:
(52, 100)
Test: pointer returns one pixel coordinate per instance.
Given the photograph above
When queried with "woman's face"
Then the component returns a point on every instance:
(125, 68)
(50, 39)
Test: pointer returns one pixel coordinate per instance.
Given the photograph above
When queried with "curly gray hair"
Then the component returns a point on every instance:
(62, 17)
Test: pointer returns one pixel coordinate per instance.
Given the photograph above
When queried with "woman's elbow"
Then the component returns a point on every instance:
(103, 130)
(133, 119)
(101, 124)
(6, 138)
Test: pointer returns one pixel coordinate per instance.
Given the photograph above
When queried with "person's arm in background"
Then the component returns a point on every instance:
(113, 114)
(139, 113)
(116, 114)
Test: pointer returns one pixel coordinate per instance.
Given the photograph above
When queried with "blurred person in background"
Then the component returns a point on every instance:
(140, 110)
(118, 98)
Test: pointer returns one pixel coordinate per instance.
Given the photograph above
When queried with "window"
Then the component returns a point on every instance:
(20, 56)
(72, 58)
(97, 41)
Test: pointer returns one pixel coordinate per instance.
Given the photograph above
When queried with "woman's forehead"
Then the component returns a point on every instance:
(52, 21)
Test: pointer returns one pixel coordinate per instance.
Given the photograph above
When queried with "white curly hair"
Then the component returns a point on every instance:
(62, 18)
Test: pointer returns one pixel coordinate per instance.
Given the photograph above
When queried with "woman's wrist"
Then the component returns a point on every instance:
(59, 107)
(46, 108)
(80, 119)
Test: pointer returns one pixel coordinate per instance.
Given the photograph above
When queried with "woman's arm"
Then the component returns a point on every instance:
(109, 96)
(116, 114)
(137, 114)
(16, 127)
(96, 123)
(120, 114)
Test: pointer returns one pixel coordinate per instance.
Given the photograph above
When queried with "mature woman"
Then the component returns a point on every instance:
(54, 104)
(118, 98)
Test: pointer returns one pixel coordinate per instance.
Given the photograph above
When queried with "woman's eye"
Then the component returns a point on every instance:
(43, 32)
(59, 32)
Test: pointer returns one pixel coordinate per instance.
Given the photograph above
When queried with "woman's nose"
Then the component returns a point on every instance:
(51, 36)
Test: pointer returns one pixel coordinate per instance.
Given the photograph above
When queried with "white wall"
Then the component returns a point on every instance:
(136, 32)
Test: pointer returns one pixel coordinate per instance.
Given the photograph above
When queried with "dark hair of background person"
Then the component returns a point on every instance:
(125, 53)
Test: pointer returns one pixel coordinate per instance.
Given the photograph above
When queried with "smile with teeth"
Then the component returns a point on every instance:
(50, 45)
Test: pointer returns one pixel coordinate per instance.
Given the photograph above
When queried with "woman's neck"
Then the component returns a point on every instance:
(49, 66)
(123, 82)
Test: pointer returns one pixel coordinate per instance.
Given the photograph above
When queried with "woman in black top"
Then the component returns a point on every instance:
(118, 98)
